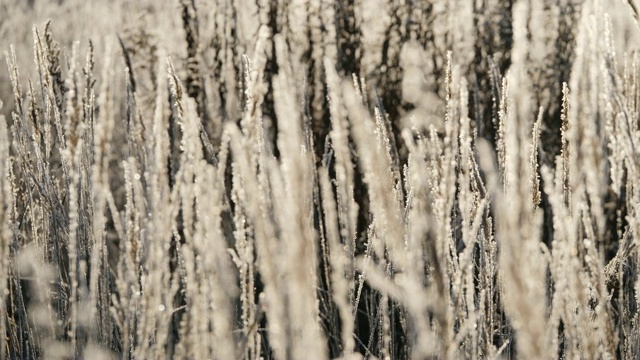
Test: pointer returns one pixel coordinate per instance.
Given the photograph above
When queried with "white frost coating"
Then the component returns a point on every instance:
(248, 25)
(417, 90)
(374, 16)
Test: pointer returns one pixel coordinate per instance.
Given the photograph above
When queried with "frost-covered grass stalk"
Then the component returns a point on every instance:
(255, 179)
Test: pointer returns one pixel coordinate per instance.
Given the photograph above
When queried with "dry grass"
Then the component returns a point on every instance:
(319, 179)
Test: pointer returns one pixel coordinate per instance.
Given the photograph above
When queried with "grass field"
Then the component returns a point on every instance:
(315, 179)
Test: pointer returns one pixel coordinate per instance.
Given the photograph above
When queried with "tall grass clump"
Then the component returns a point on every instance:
(319, 179)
